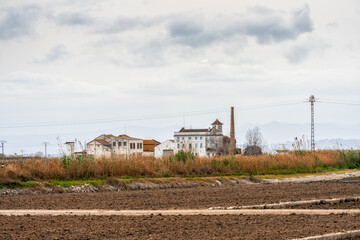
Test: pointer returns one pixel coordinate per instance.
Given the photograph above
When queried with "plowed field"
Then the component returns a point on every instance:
(181, 226)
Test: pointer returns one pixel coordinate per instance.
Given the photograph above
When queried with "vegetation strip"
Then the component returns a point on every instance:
(16, 172)
(334, 236)
(76, 212)
(292, 203)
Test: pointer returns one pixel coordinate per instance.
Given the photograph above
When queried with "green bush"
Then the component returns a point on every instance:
(352, 159)
(182, 156)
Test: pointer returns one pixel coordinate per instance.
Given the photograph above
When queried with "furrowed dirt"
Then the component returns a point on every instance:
(199, 226)
(173, 227)
(187, 198)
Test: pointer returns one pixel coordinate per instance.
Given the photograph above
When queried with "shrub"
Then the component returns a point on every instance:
(184, 156)
(352, 159)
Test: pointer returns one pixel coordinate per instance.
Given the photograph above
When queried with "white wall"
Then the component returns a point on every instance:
(159, 149)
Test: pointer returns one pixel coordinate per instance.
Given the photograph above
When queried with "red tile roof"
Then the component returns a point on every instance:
(149, 145)
(217, 122)
(194, 130)
(103, 142)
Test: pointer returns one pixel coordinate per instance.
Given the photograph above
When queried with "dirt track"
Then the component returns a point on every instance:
(76, 212)
(185, 198)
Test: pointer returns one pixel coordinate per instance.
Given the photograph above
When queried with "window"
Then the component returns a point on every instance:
(189, 138)
(196, 145)
(182, 138)
(178, 138)
(114, 144)
(195, 138)
(200, 138)
(200, 145)
(119, 144)
(124, 144)
(189, 145)
(141, 145)
(178, 146)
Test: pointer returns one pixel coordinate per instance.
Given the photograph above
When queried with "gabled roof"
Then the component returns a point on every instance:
(124, 136)
(103, 142)
(149, 145)
(109, 135)
(217, 122)
(194, 130)
(151, 141)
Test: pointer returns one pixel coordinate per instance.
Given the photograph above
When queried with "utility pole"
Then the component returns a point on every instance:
(312, 101)
(45, 145)
(2, 148)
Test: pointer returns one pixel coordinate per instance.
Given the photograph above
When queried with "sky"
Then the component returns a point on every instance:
(112, 66)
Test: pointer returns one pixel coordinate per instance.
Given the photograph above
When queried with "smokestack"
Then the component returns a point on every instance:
(232, 146)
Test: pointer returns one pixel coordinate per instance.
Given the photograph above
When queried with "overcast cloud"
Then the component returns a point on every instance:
(67, 61)
(18, 21)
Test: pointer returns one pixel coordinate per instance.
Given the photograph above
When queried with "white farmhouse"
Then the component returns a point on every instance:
(165, 149)
(202, 142)
(107, 145)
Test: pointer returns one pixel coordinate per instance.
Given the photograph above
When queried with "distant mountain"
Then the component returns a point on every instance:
(275, 134)
(323, 144)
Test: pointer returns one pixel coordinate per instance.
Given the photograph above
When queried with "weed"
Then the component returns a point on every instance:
(67, 171)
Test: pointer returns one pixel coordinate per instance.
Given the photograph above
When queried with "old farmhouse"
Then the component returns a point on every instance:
(203, 142)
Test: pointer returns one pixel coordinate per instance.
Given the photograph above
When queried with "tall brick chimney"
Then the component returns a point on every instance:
(232, 146)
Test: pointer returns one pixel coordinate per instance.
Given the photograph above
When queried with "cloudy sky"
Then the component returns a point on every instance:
(67, 61)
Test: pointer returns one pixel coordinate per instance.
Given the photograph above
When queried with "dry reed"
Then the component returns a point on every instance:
(138, 166)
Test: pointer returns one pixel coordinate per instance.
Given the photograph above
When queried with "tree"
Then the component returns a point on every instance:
(254, 142)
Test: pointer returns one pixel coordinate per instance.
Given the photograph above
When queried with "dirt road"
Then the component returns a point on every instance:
(76, 212)
(186, 198)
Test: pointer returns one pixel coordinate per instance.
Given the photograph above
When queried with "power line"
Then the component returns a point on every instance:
(268, 105)
(341, 100)
(341, 103)
(149, 117)
(170, 115)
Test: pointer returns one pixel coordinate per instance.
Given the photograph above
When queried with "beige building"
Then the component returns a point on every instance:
(107, 145)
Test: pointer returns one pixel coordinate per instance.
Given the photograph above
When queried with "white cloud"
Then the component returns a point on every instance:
(18, 21)
(54, 54)
(140, 58)
(72, 18)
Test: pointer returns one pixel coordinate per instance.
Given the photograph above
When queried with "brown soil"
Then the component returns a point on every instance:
(344, 205)
(185, 198)
(173, 227)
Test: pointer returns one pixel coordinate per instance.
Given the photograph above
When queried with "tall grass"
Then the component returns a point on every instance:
(139, 166)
